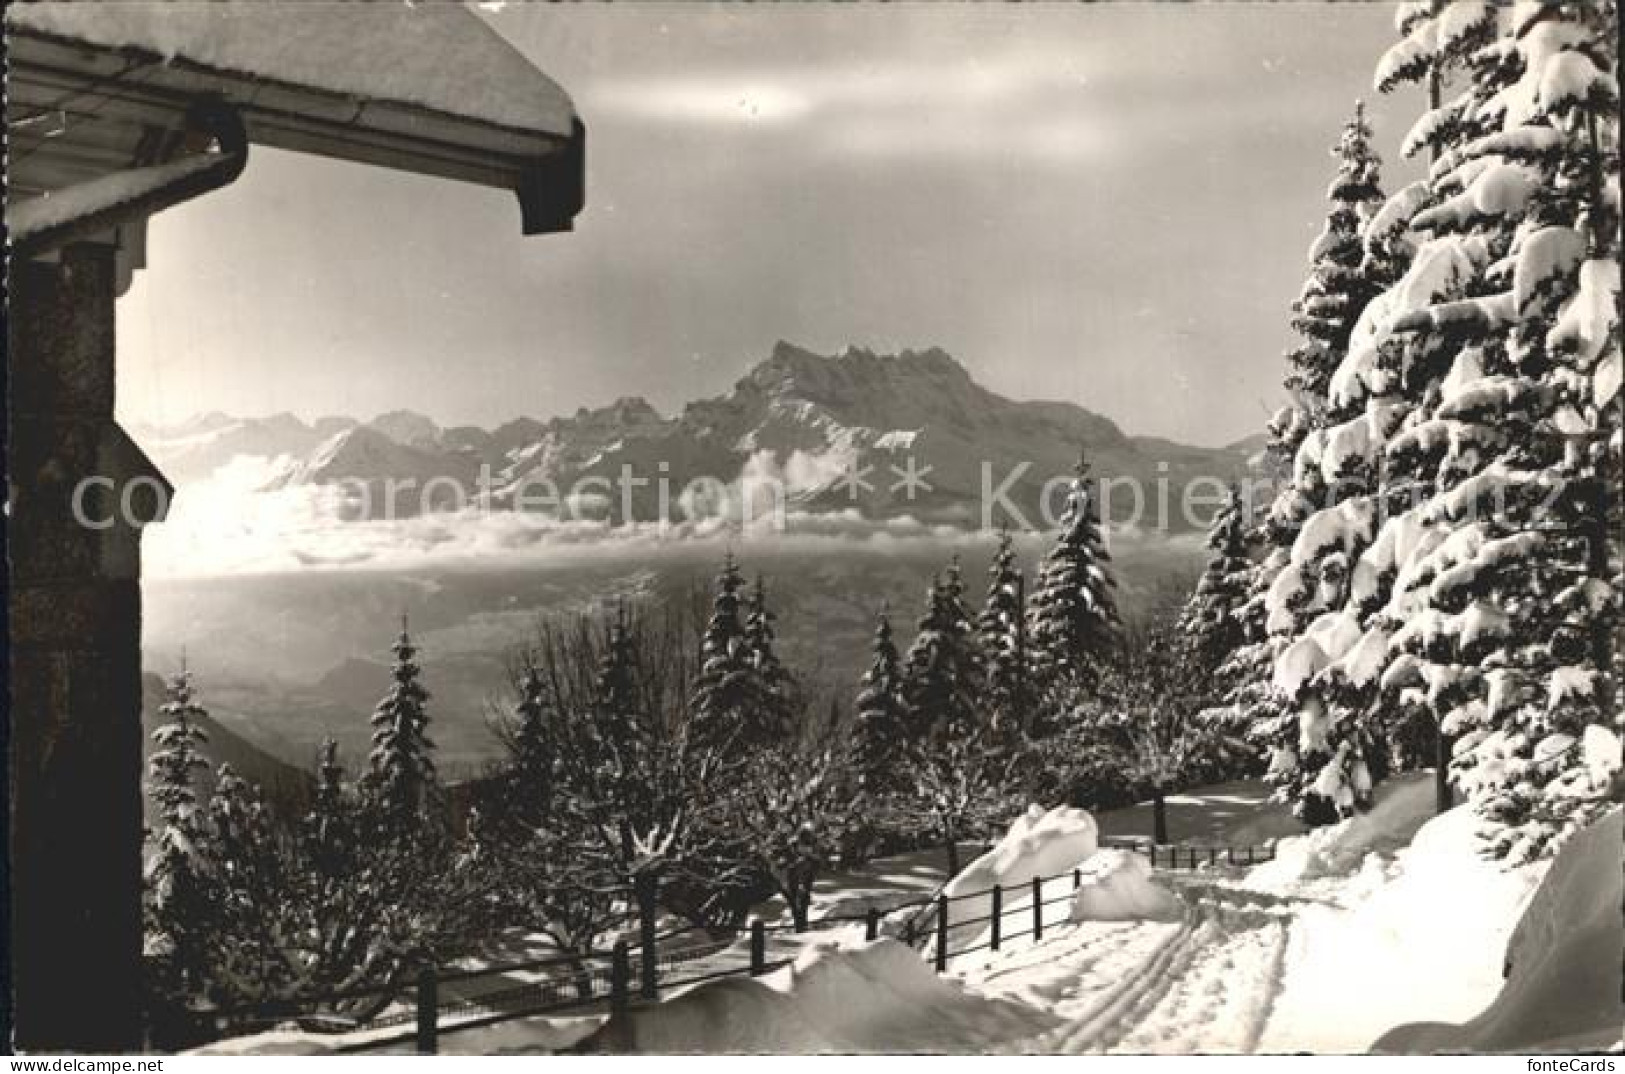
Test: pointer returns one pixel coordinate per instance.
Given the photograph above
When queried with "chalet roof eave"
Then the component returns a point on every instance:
(546, 172)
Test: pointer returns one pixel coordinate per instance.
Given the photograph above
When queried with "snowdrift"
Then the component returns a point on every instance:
(1402, 806)
(1416, 936)
(522, 1036)
(1117, 886)
(877, 997)
(1562, 986)
(1038, 843)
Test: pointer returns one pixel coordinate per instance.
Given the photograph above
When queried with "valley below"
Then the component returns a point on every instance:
(285, 597)
(286, 659)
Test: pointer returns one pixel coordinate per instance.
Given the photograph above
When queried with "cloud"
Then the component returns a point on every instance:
(230, 524)
(704, 102)
(1017, 100)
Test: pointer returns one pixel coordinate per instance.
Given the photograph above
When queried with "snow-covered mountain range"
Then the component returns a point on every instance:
(837, 431)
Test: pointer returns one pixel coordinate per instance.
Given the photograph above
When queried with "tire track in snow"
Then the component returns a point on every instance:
(1097, 1024)
(1062, 950)
(1224, 996)
(1208, 983)
(1221, 999)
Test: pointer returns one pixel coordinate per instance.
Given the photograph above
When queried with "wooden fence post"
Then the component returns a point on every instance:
(619, 971)
(648, 893)
(1230, 853)
(942, 933)
(758, 948)
(998, 914)
(428, 1011)
(1249, 854)
(1212, 855)
(908, 933)
(1077, 879)
(1038, 908)
(871, 924)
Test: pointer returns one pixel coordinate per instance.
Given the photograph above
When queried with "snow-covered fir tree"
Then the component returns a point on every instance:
(1337, 290)
(1329, 477)
(615, 699)
(942, 674)
(1499, 590)
(1464, 563)
(953, 593)
(178, 907)
(1001, 629)
(1211, 619)
(1073, 610)
(533, 748)
(254, 876)
(340, 893)
(330, 825)
(774, 687)
(532, 726)
(881, 725)
(722, 688)
(401, 779)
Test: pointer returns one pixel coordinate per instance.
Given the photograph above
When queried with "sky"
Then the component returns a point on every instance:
(1103, 204)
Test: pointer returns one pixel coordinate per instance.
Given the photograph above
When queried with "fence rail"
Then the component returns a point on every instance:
(610, 979)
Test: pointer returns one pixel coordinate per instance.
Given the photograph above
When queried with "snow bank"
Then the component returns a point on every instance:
(289, 1041)
(1416, 936)
(1401, 807)
(1037, 844)
(1562, 987)
(878, 997)
(522, 1036)
(1117, 886)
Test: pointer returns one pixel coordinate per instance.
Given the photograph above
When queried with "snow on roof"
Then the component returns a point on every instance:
(32, 216)
(436, 56)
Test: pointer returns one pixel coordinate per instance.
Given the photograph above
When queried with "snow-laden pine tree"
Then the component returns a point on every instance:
(1475, 421)
(881, 726)
(773, 710)
(1494, 584)
(722, 688)
(1073, 610)
(532, 726)
(178, 908)
(330, 825)
(255, 873)
(1322, 516)
(953, 593)
(1211, 620)
(341, 896)
(941, 674)
(618, 711)
(401, 781)
(956, 768)
(1001, 629)
(1338, 287)
(534, 763)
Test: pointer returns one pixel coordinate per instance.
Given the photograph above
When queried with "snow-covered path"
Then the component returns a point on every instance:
(1205, 983)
